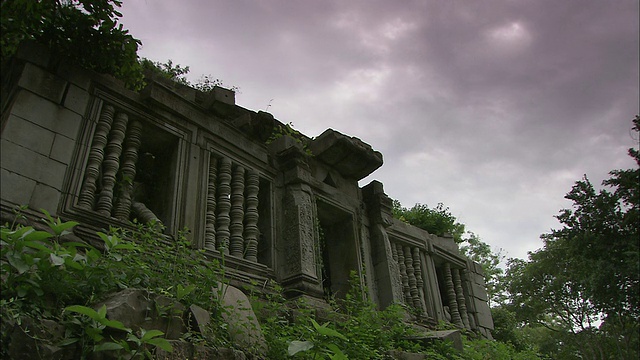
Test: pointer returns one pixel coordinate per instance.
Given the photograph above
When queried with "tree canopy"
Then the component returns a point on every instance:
(85, 31)
(584, 282)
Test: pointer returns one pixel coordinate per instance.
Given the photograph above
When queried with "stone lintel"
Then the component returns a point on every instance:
(350, 156)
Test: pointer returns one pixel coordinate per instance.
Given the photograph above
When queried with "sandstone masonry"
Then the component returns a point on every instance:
(286, 208)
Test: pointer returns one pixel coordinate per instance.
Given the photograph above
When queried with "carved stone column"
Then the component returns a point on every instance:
(251, 230)
(417, 265)
(128, 170)
(111, 164)
(411, 274)
(224, 205)
(236, 242)
(96, 155)
(210, 227)
(451, 296)
(384, 258)
(403, 275)
(462, 306)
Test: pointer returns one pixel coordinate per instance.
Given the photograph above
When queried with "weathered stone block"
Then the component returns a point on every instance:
(75, 75)
(199, 318)
(62, 149)
(76, 99)
(15, 188)
(28, 135)
(47, 114)
(484, 315)
(479, 291)
(32, 165)
(42, 83)
(45, 197)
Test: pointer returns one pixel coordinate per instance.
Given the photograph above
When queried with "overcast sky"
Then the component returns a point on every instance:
(494, 108)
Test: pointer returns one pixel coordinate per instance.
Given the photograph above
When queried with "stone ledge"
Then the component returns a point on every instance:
(352, 157)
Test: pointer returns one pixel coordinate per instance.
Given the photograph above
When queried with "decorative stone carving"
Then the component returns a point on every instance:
(224, 205)
(128, 170)
(251, 217)
(210, 230)
(96, 155)
(111, 163)
(236, 246)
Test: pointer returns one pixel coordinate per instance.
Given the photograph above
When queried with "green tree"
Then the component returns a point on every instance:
(479, 251)
(584, 283)
(86, 32)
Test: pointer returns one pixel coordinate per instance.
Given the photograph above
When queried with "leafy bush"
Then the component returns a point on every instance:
(46, 276)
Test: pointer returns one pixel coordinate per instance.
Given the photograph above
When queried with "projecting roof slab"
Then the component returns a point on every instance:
(350, 156)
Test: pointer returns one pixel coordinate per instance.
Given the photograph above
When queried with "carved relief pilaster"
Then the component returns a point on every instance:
(462, 306)
(298, 248)
(236, 246)
(111, 164)
(451, 296)
(210, 229)
(96, 155)
(251, 217)
(128, 170)
(224, 205)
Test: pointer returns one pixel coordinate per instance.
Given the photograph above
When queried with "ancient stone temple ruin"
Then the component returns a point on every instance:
(278, 205)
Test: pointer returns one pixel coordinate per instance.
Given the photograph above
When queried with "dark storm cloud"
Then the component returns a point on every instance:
(493, 107)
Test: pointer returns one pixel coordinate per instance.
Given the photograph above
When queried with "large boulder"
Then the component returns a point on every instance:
(244, 328)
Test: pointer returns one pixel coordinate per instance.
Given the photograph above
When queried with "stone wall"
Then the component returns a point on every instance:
(286, 207)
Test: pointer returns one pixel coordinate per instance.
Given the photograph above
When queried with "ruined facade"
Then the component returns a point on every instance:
(285, 208)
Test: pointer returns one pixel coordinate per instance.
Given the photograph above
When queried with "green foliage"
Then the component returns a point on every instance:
(438, 221)
(91, 337)
(323, 344)
(46, 276)
(483, 349)
(167, 70)
(85, 31)
(354, 329)
(281, 130)
(178, 73)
